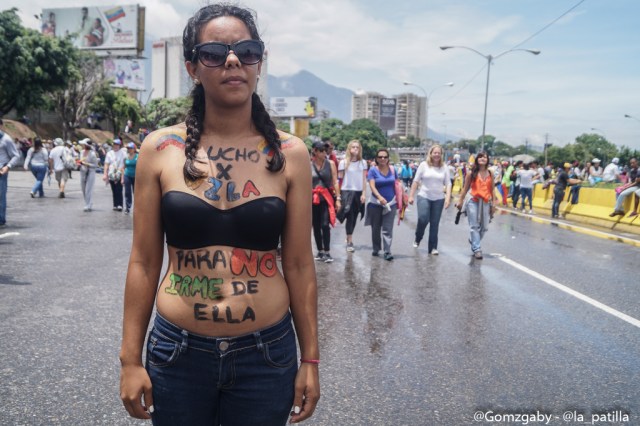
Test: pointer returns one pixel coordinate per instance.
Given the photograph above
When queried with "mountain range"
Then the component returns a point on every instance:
(336, 100)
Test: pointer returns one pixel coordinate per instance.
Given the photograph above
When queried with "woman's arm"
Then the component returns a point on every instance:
(300, 275)
(336, 184)
(145, 263)
(465, 189)
(447, 186)
(376, 194)
(28, 159)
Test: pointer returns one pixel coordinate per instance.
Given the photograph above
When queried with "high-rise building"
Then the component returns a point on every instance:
(366, 105)
(411, 112)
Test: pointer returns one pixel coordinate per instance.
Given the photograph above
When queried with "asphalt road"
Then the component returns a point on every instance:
(546, 325)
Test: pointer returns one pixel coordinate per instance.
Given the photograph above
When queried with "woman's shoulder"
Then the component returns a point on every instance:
(292, 145)
(166, 138)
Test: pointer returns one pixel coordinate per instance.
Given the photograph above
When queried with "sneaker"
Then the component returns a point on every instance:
(126, 211)
(375, 253)
(319, 257)
(478, 254)
(115, 209)
(416, 244)
(119, 208)
(434, 252)
(350, 248)
(388, 256)
(328, 258)
(32, 195)
(523, 211)
(530, 211)
(61, 195)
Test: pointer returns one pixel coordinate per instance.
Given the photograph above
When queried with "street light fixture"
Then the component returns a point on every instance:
(489, 59)
(630, 116)
(426, 114)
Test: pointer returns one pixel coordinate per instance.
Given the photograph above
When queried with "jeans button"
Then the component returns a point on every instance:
(223, 346)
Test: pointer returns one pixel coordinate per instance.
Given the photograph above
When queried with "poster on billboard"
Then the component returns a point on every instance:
(103, 27)
(125, 73)
(299, 107)
(387, 114)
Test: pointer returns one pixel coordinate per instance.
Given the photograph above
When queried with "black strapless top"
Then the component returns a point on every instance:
(190, 222)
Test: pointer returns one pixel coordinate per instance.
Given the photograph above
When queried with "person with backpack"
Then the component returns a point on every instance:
(60, 159)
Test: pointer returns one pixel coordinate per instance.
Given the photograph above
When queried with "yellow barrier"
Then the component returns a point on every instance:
(593, 207)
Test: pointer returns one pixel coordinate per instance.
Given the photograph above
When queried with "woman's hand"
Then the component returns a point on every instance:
(307, 392)
(446, 202)
(134, 383)
(410, 201)
(459, 205)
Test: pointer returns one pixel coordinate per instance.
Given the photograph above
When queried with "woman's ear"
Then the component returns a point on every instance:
(191, 69)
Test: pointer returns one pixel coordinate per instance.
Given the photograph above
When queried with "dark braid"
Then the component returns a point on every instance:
(264, 124)
(194, 122)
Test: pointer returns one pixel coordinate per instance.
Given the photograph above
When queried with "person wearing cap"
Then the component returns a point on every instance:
(9, 157)
(324, 181)
(56, 165)
(114, 173)
(562, 181)
(611, 173)
(130, 162)
(595, 172)
(88, 165)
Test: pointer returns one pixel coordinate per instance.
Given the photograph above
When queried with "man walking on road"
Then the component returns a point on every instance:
(9, 156)
(56, 165)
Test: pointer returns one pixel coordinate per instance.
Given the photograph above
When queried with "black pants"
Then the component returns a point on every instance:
(116, 190)
(321, 227)
(352, 214)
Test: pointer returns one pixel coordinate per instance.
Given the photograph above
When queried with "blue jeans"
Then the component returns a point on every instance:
(558, 196)
(39, 172)
(479, 215)
(200, 380)
(527, 193)
(429, 213)
(3, 197)
(129, 183)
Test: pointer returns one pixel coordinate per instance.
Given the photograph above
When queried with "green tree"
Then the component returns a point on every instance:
(367, 132)
(116, 106)
(31, 64)
(589, 145)
(163, 112)
(72, 102)
(330, 128)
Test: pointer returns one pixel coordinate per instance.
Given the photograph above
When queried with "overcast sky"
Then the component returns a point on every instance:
(587, 76)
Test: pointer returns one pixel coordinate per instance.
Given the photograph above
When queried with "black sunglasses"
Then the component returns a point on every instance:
(214, 54)
(382, 157)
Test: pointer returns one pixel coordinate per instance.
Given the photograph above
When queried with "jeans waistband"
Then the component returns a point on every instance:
(223, 344)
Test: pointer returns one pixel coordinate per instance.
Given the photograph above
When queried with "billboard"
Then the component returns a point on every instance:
(125, 73)
(300, 107)
(103, 27)
(387, 114)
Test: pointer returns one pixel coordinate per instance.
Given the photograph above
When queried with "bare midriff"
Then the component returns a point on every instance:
(222, 291)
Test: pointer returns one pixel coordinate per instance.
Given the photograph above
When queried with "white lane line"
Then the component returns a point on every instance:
(631, 320)
(8, 234)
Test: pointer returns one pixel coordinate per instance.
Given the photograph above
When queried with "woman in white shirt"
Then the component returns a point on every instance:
(352, 172)
(434, 195)
(38, 158)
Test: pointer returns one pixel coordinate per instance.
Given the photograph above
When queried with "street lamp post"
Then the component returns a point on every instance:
(426, 113)
(630, 116)
(489, 59)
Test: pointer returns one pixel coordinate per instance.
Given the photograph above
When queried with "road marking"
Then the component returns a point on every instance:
(8, 234)
(571, 292)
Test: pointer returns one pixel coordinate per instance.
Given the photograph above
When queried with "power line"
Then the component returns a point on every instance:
(548, 25)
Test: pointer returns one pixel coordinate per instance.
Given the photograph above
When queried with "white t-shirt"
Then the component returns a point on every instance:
(433, 181)
(610, 172)
(526, 178)
(116, 158)
(352, 180)
(56, 155)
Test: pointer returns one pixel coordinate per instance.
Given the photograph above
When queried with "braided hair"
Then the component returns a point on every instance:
(195, 116)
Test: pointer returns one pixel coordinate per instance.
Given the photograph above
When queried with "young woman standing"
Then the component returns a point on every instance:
(221, 189)
(433, 197)
(38, 159)
(480, 207)
(352, 171)
(381, 209)
(324, 179)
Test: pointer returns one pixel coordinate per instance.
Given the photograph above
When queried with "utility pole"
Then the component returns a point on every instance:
(546, 145)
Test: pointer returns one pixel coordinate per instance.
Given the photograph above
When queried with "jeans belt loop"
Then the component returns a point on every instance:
(259, 343)
(185, 341)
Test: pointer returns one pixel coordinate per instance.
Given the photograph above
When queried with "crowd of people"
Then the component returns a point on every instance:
(58, 158)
